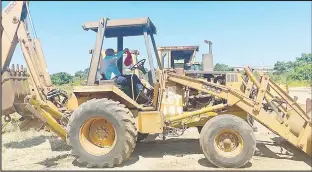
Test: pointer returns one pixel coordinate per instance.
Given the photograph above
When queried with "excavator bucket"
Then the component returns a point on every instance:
(15, 88)
(7, 94)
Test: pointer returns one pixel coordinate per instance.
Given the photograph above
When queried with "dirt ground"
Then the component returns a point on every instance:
(33, 150)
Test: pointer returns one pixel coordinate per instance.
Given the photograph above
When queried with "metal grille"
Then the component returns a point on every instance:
(231, 77)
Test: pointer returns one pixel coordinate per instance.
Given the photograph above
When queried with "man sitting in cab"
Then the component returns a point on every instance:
(110, 71)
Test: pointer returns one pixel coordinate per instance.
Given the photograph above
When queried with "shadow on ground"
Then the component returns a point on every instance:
(157, 149)
(50, 162)
(56, 143)
(173, 146)
(27, 143)
(130, 161)
(204, 162)
(287, 151)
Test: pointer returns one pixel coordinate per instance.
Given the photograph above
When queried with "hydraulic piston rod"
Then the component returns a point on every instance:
(197, 112)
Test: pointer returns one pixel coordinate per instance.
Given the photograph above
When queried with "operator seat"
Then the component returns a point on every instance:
(104, 81)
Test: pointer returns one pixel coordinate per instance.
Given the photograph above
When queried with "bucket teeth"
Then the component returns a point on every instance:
(17, 70)
(15, 88)
(25, 71)
(12, 71)
(13, 67)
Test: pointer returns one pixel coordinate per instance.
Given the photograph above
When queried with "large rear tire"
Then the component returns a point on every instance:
(227, 141)
(102, 133)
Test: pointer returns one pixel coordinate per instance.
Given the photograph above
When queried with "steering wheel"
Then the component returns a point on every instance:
(139, 65)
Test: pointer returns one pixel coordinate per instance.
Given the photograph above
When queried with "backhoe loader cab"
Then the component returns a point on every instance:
(119, 29)
(178, 56)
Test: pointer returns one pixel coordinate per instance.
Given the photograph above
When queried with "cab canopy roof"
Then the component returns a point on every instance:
(180, 52)
(124, 27)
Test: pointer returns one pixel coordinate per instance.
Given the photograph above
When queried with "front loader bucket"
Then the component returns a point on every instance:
(15, 88)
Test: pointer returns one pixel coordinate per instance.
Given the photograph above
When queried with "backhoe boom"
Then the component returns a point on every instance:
(18, 85)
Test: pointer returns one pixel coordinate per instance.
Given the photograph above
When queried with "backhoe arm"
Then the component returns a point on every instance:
(26, 93)
(15, 30)
(11, 17)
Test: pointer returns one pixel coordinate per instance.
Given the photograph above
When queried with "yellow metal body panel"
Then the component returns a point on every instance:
(150, 122)
(200, 120)
(85, 93)
(193, 121)
(237, 83)
(305, 139)
(72, 103)
(234, 110)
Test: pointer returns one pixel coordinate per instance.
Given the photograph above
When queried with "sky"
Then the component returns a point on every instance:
(243, 33)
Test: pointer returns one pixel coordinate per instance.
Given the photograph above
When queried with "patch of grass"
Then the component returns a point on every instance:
(299, 84)
(69, 87)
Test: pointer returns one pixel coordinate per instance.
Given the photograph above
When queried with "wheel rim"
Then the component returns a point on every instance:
(228, 143)
(97, 136)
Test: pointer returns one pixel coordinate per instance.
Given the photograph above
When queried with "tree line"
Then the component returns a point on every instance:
(294, 71)
(298, 71)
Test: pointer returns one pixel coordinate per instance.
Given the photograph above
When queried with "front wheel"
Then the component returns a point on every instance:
(102, 133)
(227, 141)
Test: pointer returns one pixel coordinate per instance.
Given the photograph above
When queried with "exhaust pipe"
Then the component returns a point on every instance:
(207, 59)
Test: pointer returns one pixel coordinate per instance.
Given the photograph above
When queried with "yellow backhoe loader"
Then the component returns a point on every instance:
(105, 119)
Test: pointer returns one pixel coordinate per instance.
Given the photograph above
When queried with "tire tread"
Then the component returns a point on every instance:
(122, 114)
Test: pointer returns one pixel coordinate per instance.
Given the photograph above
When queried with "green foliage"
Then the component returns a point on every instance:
(82, 73)
(61, 78)
(217, 67)
(80, 77)
(86, 72)
(299, 71)
(282, 67)
(303, 73)
(222, 67)
(77, 81)
(304, 59)
(79, 73)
